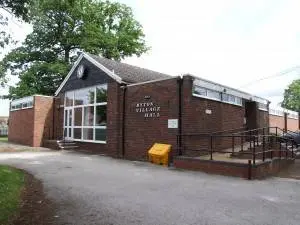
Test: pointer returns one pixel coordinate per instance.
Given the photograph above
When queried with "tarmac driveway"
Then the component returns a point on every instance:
(92, 189)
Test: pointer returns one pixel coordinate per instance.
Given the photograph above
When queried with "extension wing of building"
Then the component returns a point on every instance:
(121, 110)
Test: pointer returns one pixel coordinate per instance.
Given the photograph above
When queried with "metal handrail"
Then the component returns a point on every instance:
(253, 141)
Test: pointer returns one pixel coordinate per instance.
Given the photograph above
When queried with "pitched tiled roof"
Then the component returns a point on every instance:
(129, 73)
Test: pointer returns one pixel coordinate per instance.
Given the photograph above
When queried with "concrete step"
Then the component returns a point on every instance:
(68, 147)
(67, 143)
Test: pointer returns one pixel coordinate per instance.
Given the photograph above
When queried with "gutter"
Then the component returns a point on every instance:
(179, 138)
(124, 87)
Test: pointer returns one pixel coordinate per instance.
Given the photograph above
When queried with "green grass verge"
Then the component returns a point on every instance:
(3, 139)
(11, 184)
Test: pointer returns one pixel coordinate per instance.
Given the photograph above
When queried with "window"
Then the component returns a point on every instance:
(69, 98)
(231, 99)
(89, 107)
(216, 95)
(262, 106)
(200, 91)
(23, 103)
(276, 112)
(85, 96)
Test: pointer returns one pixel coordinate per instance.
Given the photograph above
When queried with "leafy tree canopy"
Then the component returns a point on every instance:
(62, 28)
(292, 96)
(19, 8)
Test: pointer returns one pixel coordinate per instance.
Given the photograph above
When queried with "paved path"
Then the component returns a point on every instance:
(91, 189)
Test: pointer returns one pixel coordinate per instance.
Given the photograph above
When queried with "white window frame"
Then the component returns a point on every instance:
(206, 95)
(217, 99)
(94, 127)
(235, 100)
(22, 101)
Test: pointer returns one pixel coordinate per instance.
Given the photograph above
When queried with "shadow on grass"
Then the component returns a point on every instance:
(3, 139)
(11, 184)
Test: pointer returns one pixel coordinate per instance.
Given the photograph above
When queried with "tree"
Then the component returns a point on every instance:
(62, 28)
(292, 96)
(17, 8)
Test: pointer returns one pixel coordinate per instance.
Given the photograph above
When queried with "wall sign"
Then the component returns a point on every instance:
(149, 109)
(172, 123)
(208, 111)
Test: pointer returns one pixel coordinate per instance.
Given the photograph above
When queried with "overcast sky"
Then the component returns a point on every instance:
(232, 42)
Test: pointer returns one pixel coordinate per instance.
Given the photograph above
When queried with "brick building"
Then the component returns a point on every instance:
(121, 110)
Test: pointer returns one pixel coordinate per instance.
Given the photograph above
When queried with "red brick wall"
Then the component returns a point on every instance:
(214, 167)
(114, 118)
(43, 119)
(278, 121)
(140, 132)
(195, 119)
(58, 117)
(258, 171)
(21, 126)
(292, 124)
(30, 126)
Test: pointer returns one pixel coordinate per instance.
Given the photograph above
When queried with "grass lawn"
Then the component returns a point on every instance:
(11, 184)
(3, 139)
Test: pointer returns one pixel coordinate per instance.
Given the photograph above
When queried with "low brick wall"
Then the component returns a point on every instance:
(243, 170)
(269, 168)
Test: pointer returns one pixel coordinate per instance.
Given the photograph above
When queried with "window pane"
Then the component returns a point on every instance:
(77, 116)
(101, 115)
(225, 97)
(213, 94)
(239, 101)
(65, 132)
(77, 133)
(100, 134)
(24, 105)
(88, 133)
(69, 99)
(101, 95)
(199, 91)
(70, 118)
(84, 96)
(66, 117)
(88, 116)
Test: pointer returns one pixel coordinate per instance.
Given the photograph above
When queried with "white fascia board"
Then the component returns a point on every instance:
(69, 74)
(232, 91)
(96, 63)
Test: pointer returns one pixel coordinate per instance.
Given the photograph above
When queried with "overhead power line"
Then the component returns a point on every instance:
(284, 72)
